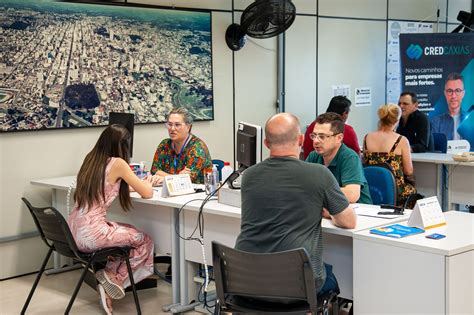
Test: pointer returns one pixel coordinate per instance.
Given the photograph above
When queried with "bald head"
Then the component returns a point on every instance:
(282, 130)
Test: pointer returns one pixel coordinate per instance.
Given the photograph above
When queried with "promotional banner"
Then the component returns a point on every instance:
(427, 61)
(395, 28)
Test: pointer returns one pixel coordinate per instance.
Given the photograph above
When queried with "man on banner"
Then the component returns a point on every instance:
(414, 125)
(449, 121)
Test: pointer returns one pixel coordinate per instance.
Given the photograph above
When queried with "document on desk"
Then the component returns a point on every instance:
(371, 211)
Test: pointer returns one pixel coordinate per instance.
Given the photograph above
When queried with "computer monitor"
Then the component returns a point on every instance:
(249, 145)
(126, 120)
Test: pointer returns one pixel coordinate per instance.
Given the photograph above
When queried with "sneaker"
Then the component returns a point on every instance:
(113, 290)
(103, 299)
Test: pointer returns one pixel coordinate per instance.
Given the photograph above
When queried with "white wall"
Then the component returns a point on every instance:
(345, 44)
(343, 58)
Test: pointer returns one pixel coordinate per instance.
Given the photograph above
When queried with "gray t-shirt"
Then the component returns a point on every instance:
(282, 202)
(457, 122)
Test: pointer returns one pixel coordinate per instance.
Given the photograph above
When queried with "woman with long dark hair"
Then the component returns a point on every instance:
(104, 175)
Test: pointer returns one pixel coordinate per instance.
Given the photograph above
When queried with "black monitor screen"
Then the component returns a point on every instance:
(126, 120)
(249, 143)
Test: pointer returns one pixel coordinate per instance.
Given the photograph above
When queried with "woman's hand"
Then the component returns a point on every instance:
(185, 171)
(154, 180)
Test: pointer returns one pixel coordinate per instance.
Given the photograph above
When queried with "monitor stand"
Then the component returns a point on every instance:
(235, 179)
(236, 183)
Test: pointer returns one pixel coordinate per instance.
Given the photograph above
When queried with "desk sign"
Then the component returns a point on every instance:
(176, 185)
(427, 214)
(458, 146)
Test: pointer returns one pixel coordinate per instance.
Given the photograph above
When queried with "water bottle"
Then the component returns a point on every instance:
(226, 171)
(215, 176)
(210, 180)
(143, 170)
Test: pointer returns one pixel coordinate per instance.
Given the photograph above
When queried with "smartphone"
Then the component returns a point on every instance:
(435, 236)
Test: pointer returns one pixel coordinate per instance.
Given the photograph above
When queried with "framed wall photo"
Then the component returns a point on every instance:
(67, 64)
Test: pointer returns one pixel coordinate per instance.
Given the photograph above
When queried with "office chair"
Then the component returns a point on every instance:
(220, 165)
(431, 147)
(382, 185)
(281, 282)
(440, 142)
(56, 234)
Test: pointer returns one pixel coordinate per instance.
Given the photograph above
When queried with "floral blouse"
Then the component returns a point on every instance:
(194, 156)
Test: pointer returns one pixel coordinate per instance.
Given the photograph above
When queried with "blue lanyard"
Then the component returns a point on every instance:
(179, 154)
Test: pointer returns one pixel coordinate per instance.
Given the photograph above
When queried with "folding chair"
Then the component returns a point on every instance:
(56, 234)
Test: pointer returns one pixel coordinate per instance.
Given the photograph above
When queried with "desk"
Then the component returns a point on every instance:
(429, 180)
(416, 275)
(222, 223)
(156, 216)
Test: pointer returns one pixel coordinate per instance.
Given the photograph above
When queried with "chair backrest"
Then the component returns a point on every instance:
(382, 185)
(277, 276)
(431, 147)
(220, 165)
(53, 229)
(440, 142)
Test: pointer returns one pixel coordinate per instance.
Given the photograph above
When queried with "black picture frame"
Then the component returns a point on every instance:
(134, 58)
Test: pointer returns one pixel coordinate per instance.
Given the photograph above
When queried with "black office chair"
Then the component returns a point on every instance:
(56, 234)
(281, 282)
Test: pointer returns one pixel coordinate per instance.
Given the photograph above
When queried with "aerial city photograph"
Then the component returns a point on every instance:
(67, 65)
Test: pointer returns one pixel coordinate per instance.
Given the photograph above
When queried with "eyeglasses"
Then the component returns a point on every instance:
(170, 125)
(456, 91)
(320, 136)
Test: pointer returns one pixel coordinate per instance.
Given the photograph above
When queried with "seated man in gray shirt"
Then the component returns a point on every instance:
(283, 200)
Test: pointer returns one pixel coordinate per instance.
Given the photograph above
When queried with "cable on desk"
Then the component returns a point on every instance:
(452, 170)
(200, 225)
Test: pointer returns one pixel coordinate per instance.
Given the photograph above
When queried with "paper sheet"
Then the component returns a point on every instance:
(372, 211)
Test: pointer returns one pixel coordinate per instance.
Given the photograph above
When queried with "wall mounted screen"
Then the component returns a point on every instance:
(67, 65)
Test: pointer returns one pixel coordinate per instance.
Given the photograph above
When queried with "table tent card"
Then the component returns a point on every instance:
(458, 146)
(176, 185)
(427, 214)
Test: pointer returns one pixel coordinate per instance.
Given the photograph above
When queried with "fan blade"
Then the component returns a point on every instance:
(268, 18)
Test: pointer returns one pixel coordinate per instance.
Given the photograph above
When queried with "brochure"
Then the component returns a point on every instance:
(396, 230)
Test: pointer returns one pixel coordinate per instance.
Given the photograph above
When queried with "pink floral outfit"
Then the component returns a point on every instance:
(91, 230)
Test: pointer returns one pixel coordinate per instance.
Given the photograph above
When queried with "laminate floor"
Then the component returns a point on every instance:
(53, 293)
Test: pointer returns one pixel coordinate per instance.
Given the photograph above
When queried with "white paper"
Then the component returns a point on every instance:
(363, 97)
(372, 211)
(341, 89)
